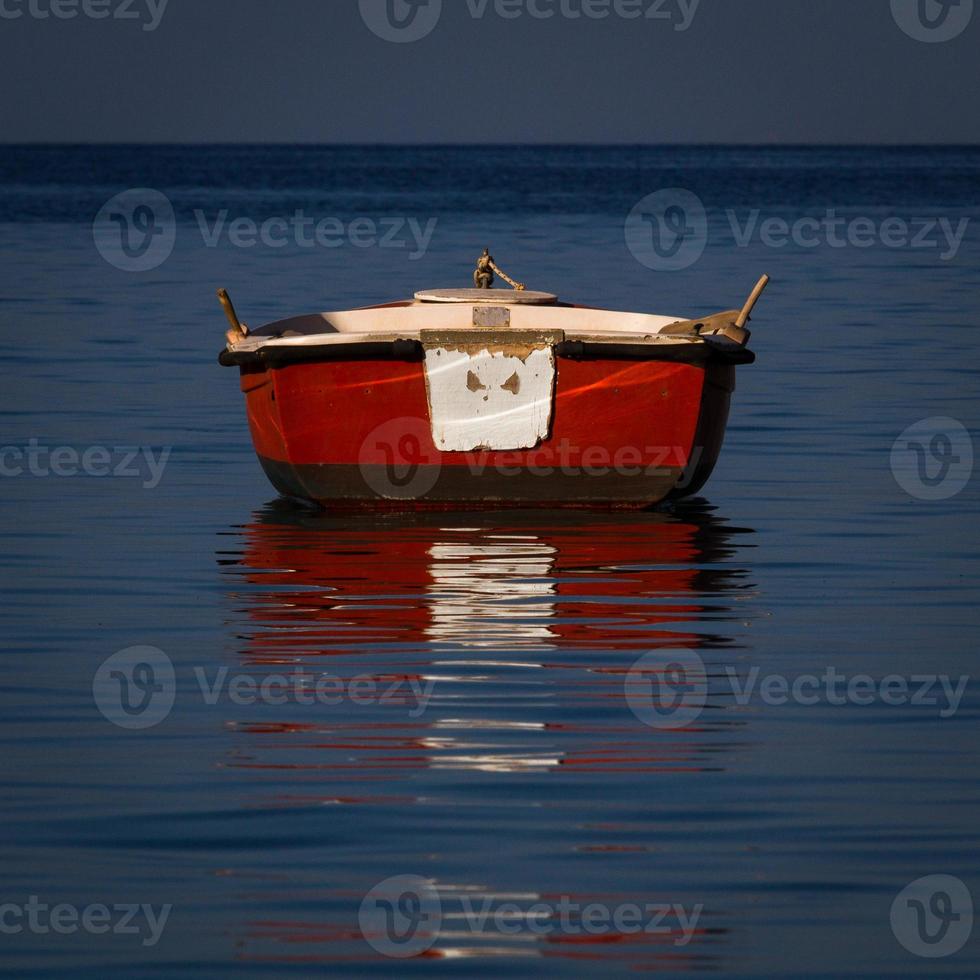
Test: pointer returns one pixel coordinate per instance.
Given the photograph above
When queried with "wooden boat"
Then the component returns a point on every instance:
(487, 397)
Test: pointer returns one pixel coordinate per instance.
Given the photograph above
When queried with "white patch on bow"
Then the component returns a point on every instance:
(484, 400)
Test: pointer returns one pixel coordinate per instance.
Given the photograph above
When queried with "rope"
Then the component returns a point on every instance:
(519, 286)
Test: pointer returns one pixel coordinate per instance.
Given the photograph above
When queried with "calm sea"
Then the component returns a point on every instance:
(443, 701)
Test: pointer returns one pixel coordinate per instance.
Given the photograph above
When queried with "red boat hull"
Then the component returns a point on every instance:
(356, 434)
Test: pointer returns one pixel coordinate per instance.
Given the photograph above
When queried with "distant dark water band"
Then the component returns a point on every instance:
(59, 183)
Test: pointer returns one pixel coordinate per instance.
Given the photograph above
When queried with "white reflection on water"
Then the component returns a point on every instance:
(486, 594)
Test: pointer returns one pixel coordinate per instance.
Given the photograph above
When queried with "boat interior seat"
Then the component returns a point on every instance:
(408, 318)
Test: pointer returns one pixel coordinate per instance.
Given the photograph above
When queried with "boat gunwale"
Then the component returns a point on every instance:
(696, 350)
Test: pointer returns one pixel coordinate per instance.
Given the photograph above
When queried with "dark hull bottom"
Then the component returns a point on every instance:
(423, 487)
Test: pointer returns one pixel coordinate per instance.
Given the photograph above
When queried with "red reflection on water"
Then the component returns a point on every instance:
(478, 632)
(466, 937)
(525, 630)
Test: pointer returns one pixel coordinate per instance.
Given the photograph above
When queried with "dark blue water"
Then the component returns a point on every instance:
(481, 739)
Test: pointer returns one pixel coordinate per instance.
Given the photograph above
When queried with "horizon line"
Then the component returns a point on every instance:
(476, 145)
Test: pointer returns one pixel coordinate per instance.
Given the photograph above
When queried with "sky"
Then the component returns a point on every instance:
(489, 71)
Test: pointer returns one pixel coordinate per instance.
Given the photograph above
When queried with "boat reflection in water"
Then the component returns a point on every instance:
(470, 726)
